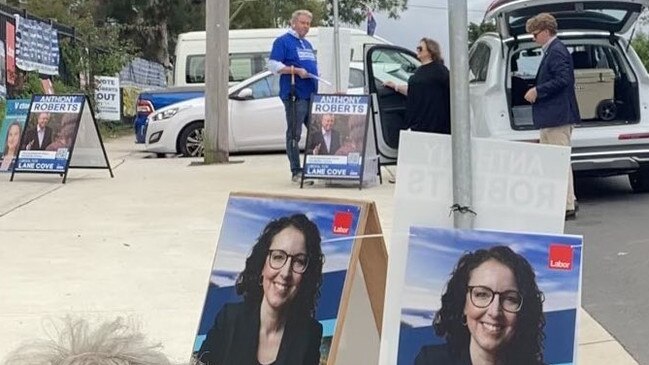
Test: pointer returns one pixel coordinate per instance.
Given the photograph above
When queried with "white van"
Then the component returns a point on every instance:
(249, 50)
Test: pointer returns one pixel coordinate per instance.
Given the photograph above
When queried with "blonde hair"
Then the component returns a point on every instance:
(541, 22)
(299, 13)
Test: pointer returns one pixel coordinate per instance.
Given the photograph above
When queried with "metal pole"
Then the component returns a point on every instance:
(460, 116)
(337, 81)
(217, 64)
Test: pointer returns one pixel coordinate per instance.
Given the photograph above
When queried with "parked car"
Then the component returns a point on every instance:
(256, 115)
(612, 84)
(249, 50)
(152, 100)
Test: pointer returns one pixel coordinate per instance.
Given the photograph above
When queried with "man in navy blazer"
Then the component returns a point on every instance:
(553, 99)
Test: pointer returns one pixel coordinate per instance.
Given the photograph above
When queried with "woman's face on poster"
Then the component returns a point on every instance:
(13, 137)
(281, 282)
(491, 327)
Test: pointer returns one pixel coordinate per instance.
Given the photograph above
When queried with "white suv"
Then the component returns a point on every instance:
(611, 81)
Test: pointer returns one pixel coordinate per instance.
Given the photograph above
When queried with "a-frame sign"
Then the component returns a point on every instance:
(336, 138)
(60, 133)
(341, 264)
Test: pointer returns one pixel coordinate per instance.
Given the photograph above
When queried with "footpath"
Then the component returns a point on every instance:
(141, 245)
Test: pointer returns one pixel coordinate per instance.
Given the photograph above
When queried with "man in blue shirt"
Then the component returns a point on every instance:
(292, 57)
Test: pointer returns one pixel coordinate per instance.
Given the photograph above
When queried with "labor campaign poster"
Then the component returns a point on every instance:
(11, 130)
(280, 256)
(335, 142)
(520, 292)
(50, 133)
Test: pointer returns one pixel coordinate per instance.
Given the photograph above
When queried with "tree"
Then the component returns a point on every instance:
(476, 30)
(640, 44)
(273, 14)
(98, 48)
(247, 14)
(152, 25)
(355, 11)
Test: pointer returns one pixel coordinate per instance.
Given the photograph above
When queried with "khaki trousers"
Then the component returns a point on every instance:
(560, 136)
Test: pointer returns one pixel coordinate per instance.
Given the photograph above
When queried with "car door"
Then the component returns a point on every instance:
(479, 57)
(388, 63)
(258, 120)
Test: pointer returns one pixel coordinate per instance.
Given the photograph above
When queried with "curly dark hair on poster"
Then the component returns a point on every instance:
(248, 281)
(526, 346)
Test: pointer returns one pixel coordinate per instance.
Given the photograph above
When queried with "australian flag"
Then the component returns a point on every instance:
(371, 23)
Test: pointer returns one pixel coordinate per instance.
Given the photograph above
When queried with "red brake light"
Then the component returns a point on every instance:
(633, 136)
(144, 107)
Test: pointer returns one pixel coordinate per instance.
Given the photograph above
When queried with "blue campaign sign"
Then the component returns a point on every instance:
(335, 146)
(11, 130)
(48, 140)
(37, 46)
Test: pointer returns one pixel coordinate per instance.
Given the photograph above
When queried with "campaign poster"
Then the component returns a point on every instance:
(50, 133)
(107, 98)
(335, 142)
(37, 46)
(11, 131)
(516, 295)
(10, 30)
(288, 259)
(3, 71)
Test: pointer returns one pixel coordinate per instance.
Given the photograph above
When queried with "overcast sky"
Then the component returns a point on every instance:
(425, 18)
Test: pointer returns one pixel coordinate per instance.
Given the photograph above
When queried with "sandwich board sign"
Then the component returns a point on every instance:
(330, 281)
(60, 133)
(336, 138)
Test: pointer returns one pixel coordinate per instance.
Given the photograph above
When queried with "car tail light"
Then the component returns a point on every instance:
(144, 107)
(633, 136)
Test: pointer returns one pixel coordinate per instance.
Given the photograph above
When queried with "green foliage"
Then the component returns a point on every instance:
(111, 130)
(355, 11)
(476, 30)
(152, 26)
(273, 14)
(97, 50)
(640, 44)
(3, 110)
(31, 84)
(248, 14)
(129, 100)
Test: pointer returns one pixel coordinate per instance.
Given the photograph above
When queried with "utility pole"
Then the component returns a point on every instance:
(460, 116)
(336, 80)
(217, 64)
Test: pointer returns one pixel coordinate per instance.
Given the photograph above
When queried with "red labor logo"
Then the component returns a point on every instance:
(342, 222)
(560, 257)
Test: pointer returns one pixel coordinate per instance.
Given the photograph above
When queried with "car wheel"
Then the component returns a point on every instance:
(607, 110)
(190, 141)
(640, 180)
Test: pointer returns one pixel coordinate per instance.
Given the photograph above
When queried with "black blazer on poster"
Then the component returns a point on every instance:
(32, 136)
(234, 338)
(318, 139)
(441, 355)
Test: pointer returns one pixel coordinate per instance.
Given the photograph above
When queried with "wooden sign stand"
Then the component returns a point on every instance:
(353, 279)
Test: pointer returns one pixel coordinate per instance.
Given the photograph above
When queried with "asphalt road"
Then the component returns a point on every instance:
(615, 224)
